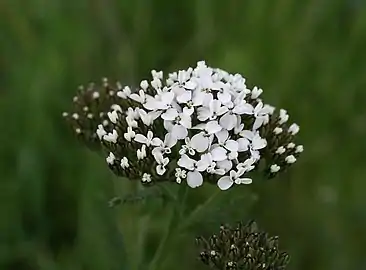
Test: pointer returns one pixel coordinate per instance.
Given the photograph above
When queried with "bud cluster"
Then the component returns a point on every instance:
(196, 125)
(90, 108)
(243, 247)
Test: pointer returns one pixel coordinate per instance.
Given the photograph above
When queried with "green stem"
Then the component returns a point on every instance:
(193, 215)
(175, 216)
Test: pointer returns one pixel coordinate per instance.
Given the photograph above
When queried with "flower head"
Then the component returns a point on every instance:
(242, 247)
(198, 125)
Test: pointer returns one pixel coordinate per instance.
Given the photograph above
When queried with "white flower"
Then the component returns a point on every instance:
(125, 93)
(101, 131)
(75, 116)
(139, 97)
(144, 84)
(177, 123)
(212, 112)
(113, 116)
(124, 163)
(165, 147)
(231, 145)
(240, 106)
(162, 163)
(163, 101)
(194, 177)
(116, 107)
(111, 158)
(141, 153)
(280, 150)
(156, 83)
(148, 139)
(290, 159)
(146, 178)
(247, 165)
(274, 168)
(226, 182)
(179, 175)
(188, 147)
(256, 92)
(261, 114)
(131, 122)
(132, 113)
(293, 129)
(214, 169)
(157, 74)
(299, 149)
(277, 130)
(148, 118)
(283, 116)
(111, 137)
(291, 145)
(257, 142)
(130, 134)
(96, 95)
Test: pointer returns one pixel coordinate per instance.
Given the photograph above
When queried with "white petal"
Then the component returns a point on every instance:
(194, 179)
(215, 105)
(167, 97)
(169, 140)
(188, 111)
(243, 144)
(225, 183)
(179, 132)
(152, 104)
(200, 142)
(248, 134)
(150, 135)
(185, 121)
(204, 162)
(140, 138)
(222, 110)
(203, 113)
(243, 108)
(198, 98)
(232, 145)
(225, 165)
(222, 136)
(160, 170)
(156, 142)
(228, 121)
(258, 122)
(168, 125)
(186, 162)
(184, 97)
(224, 97)
(213, 127)
(170, 114)
(258, 142)
(218, 154)
(190, 85)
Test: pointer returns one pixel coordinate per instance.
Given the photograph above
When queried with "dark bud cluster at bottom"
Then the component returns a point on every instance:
(243, 248)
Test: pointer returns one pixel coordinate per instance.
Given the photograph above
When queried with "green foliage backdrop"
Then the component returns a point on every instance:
(308, 56)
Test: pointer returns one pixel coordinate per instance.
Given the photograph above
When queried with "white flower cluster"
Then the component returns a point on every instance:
(201, 122)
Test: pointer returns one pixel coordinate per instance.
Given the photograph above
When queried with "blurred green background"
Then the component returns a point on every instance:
(308, 56)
